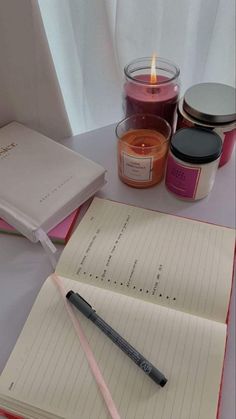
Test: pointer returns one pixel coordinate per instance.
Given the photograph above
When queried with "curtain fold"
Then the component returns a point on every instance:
(80, 37)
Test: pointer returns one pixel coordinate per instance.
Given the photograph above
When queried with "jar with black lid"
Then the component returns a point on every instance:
(192, 162)
(211, 106)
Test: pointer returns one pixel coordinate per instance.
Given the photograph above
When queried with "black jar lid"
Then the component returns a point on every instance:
(211, 103)
(196, 145)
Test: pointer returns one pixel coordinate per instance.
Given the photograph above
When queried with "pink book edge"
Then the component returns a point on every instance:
(59, 234)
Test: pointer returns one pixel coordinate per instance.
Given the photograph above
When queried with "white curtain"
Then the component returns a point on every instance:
(92, 40)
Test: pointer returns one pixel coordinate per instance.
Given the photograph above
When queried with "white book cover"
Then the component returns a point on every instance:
(42, 181)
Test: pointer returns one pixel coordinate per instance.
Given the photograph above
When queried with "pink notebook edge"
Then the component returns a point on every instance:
(59, 234)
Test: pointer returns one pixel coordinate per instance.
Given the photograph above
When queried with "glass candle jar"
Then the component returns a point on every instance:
(151, 87)
(211, 106)
(143, 142)
(192, 163)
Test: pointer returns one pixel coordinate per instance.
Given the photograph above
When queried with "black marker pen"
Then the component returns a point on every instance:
(139, 359)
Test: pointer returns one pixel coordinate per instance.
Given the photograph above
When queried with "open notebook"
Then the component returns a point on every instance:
(162, 282)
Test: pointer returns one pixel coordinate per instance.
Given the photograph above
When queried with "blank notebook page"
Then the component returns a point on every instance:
(48, 368)
(181, 263)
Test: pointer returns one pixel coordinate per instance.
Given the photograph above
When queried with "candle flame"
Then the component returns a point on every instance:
(153, 70)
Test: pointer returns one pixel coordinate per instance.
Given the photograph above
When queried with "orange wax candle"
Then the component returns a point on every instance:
(141, 157)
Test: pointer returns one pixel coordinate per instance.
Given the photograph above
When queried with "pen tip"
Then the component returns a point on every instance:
(69, 294)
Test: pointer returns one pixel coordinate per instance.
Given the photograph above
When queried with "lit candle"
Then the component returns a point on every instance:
(151, 93)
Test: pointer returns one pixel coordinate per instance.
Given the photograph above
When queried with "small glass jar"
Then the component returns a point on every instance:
(143, 142)
(211, 106)
(152, 88)
(192, 163)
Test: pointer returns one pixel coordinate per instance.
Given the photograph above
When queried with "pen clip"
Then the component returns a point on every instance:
(83, 299)
(80, 303)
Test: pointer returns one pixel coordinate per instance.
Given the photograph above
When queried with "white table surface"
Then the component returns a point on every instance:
(24, 266)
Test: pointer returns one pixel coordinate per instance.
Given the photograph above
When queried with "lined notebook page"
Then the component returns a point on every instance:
(48, 368)
(181, 263)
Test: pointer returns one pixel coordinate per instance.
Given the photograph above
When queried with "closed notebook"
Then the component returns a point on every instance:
(163, 283)
(42, 181)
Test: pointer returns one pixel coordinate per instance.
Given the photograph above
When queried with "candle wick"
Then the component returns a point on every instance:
(153, 90)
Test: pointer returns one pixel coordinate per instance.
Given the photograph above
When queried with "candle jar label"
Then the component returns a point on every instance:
(136, 168)
(181, 179)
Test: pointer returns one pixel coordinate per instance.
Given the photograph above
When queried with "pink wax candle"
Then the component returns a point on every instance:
(145, 94)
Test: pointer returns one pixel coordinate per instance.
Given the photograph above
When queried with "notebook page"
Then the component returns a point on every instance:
(48, 368)
(183, 264)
